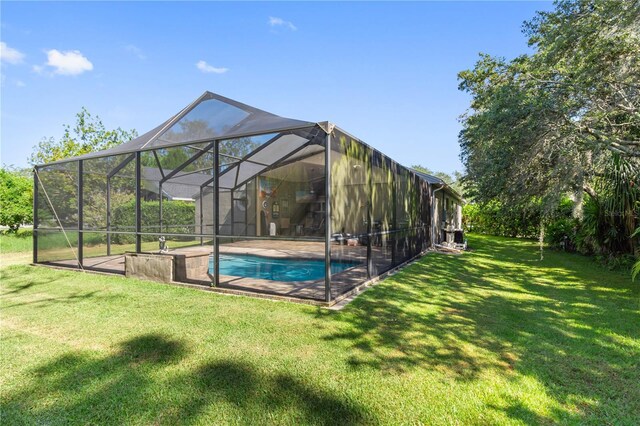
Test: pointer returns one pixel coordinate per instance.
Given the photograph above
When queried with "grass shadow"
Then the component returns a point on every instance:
(84, 389)
(135, 384)
(563, 321)
(258, 395)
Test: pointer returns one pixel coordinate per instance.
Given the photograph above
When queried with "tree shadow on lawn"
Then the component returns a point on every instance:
(136, 385)
(15, 291)
(17, 273)
(78, 388)
(258, 396)
(494, 311)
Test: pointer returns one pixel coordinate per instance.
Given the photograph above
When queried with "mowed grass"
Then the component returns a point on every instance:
(16, 242)
(494, 336)
(16, 248)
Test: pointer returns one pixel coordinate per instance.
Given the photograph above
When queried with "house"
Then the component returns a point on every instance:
(446, 207)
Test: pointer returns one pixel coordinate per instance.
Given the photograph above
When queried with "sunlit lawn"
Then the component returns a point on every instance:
(492, 336)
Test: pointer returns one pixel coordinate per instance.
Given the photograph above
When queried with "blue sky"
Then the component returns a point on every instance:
(385, 72)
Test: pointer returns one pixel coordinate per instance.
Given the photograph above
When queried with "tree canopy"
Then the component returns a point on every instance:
(16, 198)
(552, 121)
(87, 135)
(564, 119)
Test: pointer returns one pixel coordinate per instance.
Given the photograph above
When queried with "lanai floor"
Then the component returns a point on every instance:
(341, 282)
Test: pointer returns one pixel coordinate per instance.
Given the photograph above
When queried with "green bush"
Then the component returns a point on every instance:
(16, 199)
(494, 218)
(602, 232)
(561, 233)
(587, 237)
(561, 227)
(178, 218)
(92, 239)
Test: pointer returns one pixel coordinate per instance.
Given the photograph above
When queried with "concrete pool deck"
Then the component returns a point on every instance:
(342, 282)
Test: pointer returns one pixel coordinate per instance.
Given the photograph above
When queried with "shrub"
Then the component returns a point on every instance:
(16, 199)
(494, 218)
(178, 218)
(560, 233)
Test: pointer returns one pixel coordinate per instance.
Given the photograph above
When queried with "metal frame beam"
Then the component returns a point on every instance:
(160, 169)
(146, 148)
(263, 146)
(278, 163)
(394, 220)
(327, 222)
(172, 174)
(201, 214)
(216, 214)
(35, 215)
(138, 203)
(108, 216)
(369, 171)
(80, 213)
(195, 171)
(120, 166)
(206, 183)
(233, 157)
(186, 163)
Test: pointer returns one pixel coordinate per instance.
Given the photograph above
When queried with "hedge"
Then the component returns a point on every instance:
(178, 218)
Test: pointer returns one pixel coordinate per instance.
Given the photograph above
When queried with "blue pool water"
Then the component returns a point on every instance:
(269, 268)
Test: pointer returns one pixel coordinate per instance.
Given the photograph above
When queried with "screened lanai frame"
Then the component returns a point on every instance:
(375, 210)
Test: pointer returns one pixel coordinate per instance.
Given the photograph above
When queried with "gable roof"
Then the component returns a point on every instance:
(433, 180)
(214, 117)
(209, 117)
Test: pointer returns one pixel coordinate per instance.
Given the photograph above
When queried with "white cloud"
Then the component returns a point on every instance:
(206, 68)
(136, 51)
(279, 22)
(20, 83)
(71, 62)
(9, 54)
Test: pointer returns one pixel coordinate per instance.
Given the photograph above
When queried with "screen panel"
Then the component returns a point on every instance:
(350, 210)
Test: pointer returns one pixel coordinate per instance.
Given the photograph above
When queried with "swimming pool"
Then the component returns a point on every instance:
(275, 269)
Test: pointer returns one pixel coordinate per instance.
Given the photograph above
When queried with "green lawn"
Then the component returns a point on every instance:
(18, 242)
(492, 336)
(16, 248)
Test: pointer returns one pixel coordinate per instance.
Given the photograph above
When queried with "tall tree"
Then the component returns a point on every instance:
(564, 119)
(550, 122)
(87, 135)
